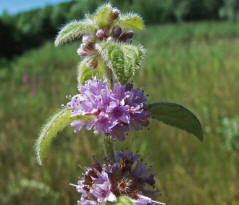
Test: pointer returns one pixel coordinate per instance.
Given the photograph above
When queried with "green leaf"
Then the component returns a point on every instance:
(122, 59)
(103, 16)
(84, 72)
(54, 125)
(122, 200)
(74, 30)
(131, 21)
(177, 116)
(89, 16)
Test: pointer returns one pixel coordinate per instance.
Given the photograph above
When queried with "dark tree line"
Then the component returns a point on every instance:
(30, 29)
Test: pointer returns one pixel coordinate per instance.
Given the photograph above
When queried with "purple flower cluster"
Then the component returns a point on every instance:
(115, 112)
(127, 176)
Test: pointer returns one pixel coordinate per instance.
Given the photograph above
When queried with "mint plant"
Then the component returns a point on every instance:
(108, 104)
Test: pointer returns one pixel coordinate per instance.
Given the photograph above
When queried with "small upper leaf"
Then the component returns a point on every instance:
(54, 125)
(74, 30)
(103, 15)
(131, 21)
(89, 16)
(177, 116)
(84, 72)
(122, 59)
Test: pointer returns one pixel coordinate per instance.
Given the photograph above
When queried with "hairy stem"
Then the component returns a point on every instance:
(108, 74)
(109, 148)
(108, 144)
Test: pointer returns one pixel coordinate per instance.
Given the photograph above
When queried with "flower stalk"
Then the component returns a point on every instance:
(109, 148)
(108, 143)
(108, 74)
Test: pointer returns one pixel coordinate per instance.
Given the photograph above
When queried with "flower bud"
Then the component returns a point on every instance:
(126, 36)
(81, 51)
(86, 38)
(92, 63)
(116, 32)
(89, 46)
(100, 34)
(115, 13)
(109, 39)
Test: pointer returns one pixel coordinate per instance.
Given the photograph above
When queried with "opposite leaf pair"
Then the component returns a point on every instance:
(114, 113)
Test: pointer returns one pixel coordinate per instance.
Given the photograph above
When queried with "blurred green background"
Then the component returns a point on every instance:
(192, 58)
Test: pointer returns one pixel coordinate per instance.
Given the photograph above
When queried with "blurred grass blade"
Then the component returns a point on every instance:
(73, 31)
(131, 21)
(54, 125)
(178, 116)
(122, 59)
(84, 72)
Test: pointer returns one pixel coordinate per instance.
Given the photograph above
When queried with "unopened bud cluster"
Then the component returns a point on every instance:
(107, 33)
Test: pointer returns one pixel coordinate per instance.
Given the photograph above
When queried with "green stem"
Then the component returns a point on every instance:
(108, 74)
(108, 144)
(109, 148)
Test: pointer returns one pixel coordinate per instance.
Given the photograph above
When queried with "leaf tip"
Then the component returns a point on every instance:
(178, 116)
(56, 43)
(200, 135)
(37, 152)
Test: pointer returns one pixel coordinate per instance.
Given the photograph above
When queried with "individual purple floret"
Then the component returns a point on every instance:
(127, 176)
(115, 112)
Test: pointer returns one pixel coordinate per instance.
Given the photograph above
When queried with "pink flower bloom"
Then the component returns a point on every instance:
(34, 92)
(26, 79)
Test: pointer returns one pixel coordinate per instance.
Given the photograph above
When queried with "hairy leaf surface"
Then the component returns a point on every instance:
(54, 125)
(84, 72)
(178, 116)
(103, 15)
(74, 30)
(131, 21)
(122, 59)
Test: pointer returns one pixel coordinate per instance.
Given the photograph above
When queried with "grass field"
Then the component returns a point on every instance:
(196, 65)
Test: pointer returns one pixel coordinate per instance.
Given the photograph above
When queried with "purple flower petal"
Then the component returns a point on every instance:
(105, 183)
(116, 111)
